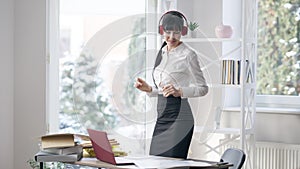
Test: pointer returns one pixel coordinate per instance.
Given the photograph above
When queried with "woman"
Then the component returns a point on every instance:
(177, 76)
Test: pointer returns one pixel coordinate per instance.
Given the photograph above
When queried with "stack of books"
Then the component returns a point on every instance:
(61, 148)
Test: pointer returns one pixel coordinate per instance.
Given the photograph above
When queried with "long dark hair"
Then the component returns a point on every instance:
(171, 20)
(157, 61)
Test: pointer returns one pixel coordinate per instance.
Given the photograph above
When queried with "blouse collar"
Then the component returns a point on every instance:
(178, 48)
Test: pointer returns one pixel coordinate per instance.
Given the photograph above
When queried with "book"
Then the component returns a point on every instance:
(62, 140)
(65, 150)
(42, 156)
(237, 72)
(223, 75)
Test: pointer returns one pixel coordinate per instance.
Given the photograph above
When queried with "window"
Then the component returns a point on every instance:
(95, 59)
(278, 67)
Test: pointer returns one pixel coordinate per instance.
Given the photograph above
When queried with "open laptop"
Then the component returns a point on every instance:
(103, 149)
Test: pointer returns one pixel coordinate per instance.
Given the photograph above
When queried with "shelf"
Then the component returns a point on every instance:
(235, 131)
(242, 47)
(277, 110)
(217, 85)
(184, 39)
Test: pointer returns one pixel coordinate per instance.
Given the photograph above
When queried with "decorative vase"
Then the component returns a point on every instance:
(223, 31)
(191, 34)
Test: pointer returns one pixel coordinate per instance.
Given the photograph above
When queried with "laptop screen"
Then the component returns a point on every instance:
(101, 146)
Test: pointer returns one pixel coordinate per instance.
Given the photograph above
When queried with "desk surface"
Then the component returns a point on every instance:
(93, 162)
(151, 163)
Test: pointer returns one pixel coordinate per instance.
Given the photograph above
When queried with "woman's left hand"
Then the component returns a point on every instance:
(169, 89)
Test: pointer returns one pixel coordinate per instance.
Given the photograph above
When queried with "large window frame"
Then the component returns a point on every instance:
(52, 88)
(285, 103)
(52, 66)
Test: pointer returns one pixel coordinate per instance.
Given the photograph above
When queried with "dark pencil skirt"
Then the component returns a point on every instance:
(174, 128)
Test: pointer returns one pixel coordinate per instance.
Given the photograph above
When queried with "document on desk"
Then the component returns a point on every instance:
(164, 162)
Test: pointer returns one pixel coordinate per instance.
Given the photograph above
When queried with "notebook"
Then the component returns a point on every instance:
(103, 150)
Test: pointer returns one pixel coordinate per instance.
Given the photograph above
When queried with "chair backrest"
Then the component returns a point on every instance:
(234, 156)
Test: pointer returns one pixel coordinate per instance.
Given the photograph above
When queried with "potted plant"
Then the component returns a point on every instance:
(33, 164)
(192, 27)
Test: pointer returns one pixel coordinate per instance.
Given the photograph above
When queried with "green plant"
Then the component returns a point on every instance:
(49, 165)
(193, 26)
(33, 164)
(278, 47)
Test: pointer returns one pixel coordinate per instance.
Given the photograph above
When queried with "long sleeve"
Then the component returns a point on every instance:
(198, 86)
(153, 93)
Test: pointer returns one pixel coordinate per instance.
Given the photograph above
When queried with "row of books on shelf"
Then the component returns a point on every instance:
(67, 147)
(231, 72)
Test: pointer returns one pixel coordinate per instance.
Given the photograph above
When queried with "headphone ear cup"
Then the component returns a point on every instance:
(184, 30)
(161, 30)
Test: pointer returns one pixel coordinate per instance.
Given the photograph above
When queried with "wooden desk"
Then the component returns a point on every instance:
(93, 162)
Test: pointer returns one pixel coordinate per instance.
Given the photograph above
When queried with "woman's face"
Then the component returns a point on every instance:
(172, 38)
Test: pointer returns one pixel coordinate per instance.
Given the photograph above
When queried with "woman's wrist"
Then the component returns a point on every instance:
(149, 89)
(180, 92)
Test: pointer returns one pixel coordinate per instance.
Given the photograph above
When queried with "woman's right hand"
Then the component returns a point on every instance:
(142, 85)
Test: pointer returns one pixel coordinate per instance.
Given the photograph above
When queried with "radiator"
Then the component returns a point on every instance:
(271, 155)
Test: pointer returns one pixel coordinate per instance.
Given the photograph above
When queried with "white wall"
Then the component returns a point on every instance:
(29, 78)
(270, 127)
(6, 83)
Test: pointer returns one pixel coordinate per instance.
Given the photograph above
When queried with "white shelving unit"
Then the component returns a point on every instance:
(245, 37)
(195, 40)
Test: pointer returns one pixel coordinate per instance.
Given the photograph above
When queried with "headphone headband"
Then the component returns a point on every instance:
(184, 30)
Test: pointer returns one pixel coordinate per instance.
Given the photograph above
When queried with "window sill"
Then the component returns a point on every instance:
(276, 110)
(269, 110)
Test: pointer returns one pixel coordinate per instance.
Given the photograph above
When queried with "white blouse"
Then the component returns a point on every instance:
(180, 67)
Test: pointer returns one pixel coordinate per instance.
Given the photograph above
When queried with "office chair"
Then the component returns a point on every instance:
(234, 156)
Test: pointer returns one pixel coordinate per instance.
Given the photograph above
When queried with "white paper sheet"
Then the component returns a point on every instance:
(162, 162)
